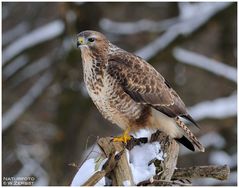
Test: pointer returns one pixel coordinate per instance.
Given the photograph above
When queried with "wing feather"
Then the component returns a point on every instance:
(144, 84)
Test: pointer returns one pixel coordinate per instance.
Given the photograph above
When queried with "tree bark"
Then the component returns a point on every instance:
(122, 171)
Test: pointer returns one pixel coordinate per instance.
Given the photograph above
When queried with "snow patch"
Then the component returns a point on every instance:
(86, 171)
(213, 139)
(126, 183)
(222, 158)
(143, 133)
(139, 158)
(219, 108)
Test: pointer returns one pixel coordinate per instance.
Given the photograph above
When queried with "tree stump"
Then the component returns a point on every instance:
(118, 170)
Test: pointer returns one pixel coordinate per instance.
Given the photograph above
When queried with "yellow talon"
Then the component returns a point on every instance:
(123, 138)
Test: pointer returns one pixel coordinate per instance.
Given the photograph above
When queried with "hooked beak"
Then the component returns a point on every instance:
(80, 41)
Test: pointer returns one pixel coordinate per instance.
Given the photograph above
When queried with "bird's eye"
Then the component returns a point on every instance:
(91, 39)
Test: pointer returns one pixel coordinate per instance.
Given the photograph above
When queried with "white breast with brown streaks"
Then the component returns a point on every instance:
(109, 98)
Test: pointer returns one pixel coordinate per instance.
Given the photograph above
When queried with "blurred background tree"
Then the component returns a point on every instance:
(49, 120)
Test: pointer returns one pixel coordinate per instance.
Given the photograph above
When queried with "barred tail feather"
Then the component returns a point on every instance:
(189, 135)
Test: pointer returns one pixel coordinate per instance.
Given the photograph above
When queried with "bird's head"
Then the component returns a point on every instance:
(92, 40)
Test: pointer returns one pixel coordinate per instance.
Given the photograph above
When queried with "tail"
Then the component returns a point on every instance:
(189, 140)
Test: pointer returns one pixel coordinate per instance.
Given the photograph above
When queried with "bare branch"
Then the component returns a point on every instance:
(216, 172)
(153, 182)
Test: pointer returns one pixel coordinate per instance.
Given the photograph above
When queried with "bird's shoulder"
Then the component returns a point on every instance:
(132, 65)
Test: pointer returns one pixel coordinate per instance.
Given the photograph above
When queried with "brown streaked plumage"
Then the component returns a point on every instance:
(129, 92)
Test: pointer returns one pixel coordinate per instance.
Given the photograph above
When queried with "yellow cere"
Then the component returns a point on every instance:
(81, 40)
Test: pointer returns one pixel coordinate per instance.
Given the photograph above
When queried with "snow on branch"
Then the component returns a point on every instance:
(23, 103)
(219, 108)
(11, 68)
(186, 26)
(30, 166)
(37, 36)
(15, 32)
(142, 161)
(31, 70)
(151, 49)
(195, 59)
(127, 28)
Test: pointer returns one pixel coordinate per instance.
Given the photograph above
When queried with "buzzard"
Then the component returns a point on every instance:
(129, 92)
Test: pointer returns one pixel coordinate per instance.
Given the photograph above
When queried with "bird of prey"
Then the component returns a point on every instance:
(129, 92)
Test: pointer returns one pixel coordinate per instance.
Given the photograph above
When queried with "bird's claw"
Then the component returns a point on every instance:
(123, 138)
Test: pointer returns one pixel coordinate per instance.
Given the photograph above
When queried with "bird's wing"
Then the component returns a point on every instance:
(144, 84)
